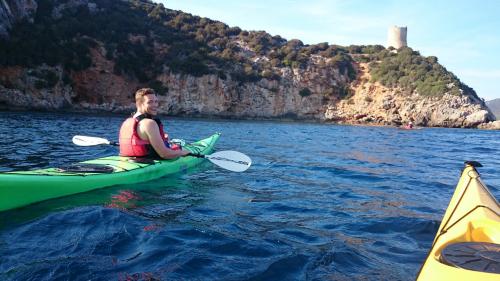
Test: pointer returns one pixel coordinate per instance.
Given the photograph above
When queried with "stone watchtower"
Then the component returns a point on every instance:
(396, 37)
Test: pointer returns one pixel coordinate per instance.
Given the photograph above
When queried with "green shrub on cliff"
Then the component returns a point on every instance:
(305, 92)
(45, 79)
(159, 87)
(412, 72)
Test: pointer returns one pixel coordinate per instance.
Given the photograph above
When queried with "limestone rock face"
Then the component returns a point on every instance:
(308, 94)
(25, 89)
(385, 106)
(97, 88)
(210, 95)
(476, 118)
(495, 125)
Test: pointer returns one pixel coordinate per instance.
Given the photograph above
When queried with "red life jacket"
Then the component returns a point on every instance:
(130, 142)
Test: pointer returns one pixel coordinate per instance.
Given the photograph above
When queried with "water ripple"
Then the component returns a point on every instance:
(321, 202)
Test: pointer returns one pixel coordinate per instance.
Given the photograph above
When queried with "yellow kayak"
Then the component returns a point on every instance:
(467, 244)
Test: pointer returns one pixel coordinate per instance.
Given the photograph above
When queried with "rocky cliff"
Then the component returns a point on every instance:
(310, 85)
(97, 88)
(376, 104)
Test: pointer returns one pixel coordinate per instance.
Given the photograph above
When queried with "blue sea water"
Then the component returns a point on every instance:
(321, 202)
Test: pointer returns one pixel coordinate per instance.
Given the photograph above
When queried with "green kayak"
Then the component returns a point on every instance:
(21, 188)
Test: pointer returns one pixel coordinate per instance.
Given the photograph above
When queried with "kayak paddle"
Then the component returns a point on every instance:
(230, 160)
(91, 141)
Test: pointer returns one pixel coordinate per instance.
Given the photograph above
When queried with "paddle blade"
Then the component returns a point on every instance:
(89, 141)
(230, 160)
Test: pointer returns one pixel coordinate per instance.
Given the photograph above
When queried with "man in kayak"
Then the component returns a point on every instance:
(408, 126)
(142, 135)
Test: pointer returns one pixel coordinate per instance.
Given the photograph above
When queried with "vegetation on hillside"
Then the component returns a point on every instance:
(408, 70)
(145, 39)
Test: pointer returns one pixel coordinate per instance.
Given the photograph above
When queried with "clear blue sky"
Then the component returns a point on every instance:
(464, 35)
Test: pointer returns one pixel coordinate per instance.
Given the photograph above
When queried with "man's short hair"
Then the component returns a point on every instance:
(139, 95)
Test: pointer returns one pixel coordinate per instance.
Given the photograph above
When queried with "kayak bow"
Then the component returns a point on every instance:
(467, 244)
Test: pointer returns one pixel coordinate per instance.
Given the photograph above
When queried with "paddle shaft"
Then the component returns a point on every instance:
(230, 160)
(197, 155)
(209, 157)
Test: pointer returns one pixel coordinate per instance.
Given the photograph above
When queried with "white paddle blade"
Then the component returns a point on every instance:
(89, 141)
(231, 160)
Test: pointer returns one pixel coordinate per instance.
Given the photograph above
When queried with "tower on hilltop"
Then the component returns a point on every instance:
(396, 37)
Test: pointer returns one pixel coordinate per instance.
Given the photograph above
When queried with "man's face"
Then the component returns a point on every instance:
(150, 104)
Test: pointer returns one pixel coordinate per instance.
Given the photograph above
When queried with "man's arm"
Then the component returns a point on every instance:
(150, 128)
